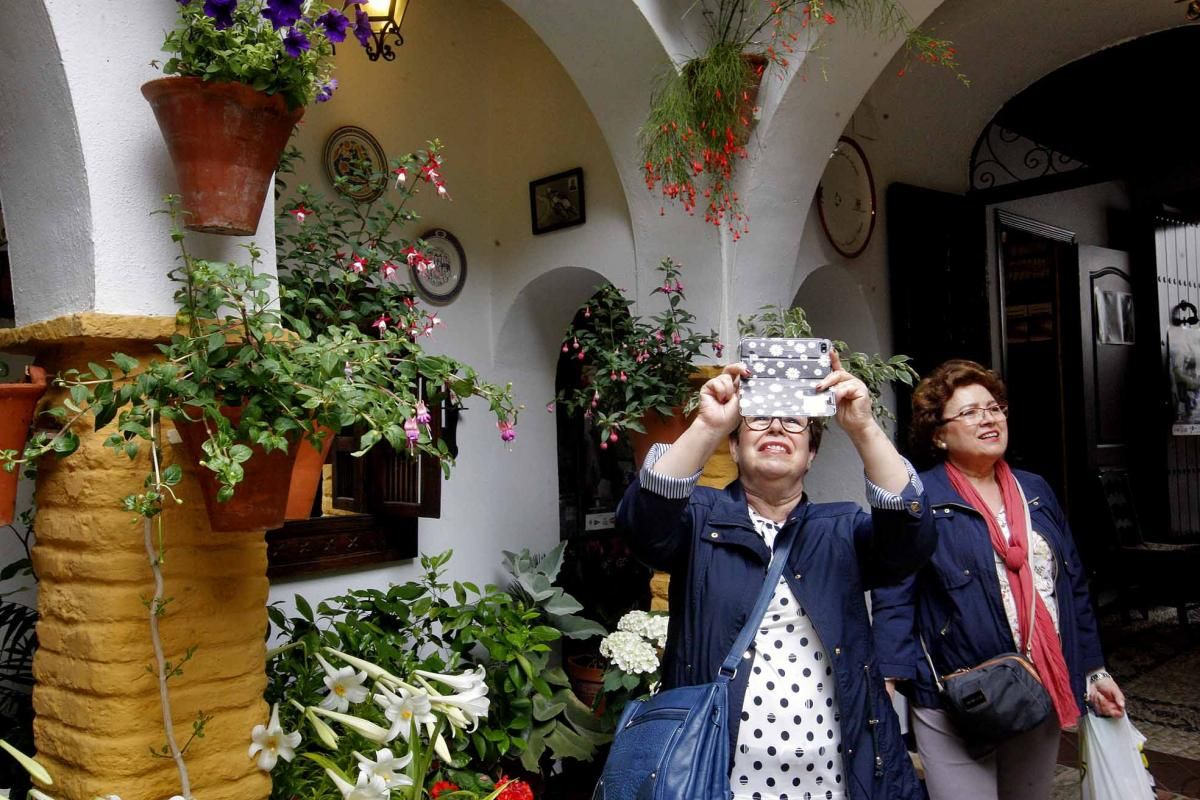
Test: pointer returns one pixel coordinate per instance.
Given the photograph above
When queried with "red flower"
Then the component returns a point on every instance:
(442, 786)
(514, 789)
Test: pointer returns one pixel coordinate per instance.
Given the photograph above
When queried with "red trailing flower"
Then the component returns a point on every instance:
(514, 790)
(442, 787)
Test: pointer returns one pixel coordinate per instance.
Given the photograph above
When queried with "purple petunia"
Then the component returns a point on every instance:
(326, 91)
(221, 12)
(334, 22)
(283, 13)
(295, 42)
(183, 2)
(362, 26)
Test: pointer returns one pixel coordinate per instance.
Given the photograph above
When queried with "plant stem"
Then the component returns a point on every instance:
(154, 555)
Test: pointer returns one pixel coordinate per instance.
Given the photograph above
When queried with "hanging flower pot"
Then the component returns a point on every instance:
(306, 474)
(225, 140)
(259, 501)
(17, 401)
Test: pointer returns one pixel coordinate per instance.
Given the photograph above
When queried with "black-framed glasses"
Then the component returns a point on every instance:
(975, 414)
(789, 424)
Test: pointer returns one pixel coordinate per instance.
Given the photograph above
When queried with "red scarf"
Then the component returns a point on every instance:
(1047, 654)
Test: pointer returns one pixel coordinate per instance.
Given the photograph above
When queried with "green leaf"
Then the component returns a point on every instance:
(99, 371)
(66, 443)
(172, 475)
(240, 453)
(304, 608)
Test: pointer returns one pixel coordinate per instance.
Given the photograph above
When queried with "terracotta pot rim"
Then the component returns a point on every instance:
(36, 385)
(169, 84)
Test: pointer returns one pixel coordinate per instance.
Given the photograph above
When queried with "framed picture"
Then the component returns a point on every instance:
(441, 282)
(348, 147)
(556, 202)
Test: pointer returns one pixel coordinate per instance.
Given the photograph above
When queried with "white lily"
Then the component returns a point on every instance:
(368, 787)
(439, 747)
(37, 794)
(325, 734)
(473, 703)
(464, 682)
(386, 766)
(455, 717)
(375, 671)
(403, 710)
(345, 686)
(270, 743)
(364, 728)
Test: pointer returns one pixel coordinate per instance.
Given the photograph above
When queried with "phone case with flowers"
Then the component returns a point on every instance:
(784, 374)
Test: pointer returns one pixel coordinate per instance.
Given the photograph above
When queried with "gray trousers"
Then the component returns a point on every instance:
(1020, 768)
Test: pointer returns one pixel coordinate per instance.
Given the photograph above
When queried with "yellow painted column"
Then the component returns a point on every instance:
(97, 705)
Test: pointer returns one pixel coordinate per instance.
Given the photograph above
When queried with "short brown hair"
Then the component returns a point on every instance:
(816, 429)
(934, 391)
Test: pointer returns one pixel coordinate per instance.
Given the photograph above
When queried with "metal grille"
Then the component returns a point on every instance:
(1178, 259)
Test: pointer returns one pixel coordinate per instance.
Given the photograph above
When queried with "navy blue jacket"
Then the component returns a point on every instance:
(954, 601)
(718, 563)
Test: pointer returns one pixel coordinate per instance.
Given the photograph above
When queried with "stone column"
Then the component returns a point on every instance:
(97, 705)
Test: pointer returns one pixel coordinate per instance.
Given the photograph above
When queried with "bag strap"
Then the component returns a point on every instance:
(778, 561)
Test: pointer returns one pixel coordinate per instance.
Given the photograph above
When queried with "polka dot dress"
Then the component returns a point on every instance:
(789, 744)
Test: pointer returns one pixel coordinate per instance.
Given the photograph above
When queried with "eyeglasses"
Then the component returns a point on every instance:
(789, 424)
(974, 415)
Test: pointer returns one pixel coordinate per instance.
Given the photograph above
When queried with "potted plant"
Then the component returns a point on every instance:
(243, 390)
(342, 261)
(702, 112)
(17, 402)
(635, 371)
(244, 70)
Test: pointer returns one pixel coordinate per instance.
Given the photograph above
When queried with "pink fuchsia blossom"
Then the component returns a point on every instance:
(507, 433)
(411, 430)
(675, 337)
(441, 189)
(423, 416)
(550, 407)
(718, 348)
(300, 213)
(358, 264)
(388, 269)
(381, 323)
(401, 174)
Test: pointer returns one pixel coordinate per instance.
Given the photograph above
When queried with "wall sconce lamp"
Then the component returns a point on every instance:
(386, 17)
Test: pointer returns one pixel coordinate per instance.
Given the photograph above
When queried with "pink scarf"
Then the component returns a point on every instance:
(1047, 654)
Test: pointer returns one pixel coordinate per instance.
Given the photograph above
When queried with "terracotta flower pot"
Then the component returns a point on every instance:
(17, 401)
(586, 673)
(306, 475)
(225, 140)
(259, 502)
(658, 429)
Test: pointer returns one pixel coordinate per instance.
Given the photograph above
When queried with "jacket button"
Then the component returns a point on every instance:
(837, 651)
(797, 576)
(966, 572)
(850, 751)
(915, 507)
(714, 535)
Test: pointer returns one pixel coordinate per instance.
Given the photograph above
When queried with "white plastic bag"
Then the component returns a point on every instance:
(1110, 760)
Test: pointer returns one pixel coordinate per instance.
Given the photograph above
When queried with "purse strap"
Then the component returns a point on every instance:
(778, 561)
(1033, 599)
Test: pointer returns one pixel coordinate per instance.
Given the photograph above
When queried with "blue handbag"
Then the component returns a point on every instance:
(675, 745)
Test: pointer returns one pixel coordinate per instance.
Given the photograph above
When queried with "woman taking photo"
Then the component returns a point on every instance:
(1005, 578)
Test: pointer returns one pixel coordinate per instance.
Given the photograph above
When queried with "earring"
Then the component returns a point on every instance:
(942, 445)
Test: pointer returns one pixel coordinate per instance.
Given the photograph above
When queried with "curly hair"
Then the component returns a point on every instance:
(934, 391)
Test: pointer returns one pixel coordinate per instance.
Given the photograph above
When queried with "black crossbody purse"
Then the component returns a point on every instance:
(999, 698)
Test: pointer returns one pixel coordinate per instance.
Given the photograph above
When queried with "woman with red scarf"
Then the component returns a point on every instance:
(1004, 550)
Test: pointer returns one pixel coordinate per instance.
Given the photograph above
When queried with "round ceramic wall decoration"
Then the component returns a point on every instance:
(441, 282)
(348, 146)
(846, 199)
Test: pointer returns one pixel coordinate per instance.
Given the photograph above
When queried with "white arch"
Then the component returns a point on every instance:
(45, 198)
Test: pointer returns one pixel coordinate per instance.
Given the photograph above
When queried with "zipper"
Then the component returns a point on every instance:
(658, 713)
(998, 659)
(872, 721)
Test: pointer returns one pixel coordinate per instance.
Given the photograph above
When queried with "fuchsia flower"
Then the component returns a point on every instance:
(507, 434)
(718, 348)
(388, 269)
(401, 174)
(381, 323)
(675, 337)
(550, 407)
(416, 259)
(423, 416)
(358, 264)
(441, 189)
(300, 212)
(411, 431)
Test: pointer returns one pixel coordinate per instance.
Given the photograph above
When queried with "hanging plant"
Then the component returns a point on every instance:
(702, 113)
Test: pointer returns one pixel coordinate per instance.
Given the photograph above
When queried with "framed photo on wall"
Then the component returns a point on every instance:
(556, 201)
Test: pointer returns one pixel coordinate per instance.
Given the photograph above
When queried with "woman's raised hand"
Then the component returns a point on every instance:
(719, 407)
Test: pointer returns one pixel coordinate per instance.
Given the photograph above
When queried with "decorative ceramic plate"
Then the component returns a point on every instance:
(348, 146)
(441, 282)
(846, 199)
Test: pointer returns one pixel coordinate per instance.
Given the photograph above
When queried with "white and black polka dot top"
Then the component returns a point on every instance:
(789, 744)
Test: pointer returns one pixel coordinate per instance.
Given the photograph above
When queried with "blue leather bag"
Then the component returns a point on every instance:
(675, 745)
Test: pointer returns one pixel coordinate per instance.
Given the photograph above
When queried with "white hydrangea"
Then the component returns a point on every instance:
(630, 652)
(649, 626)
